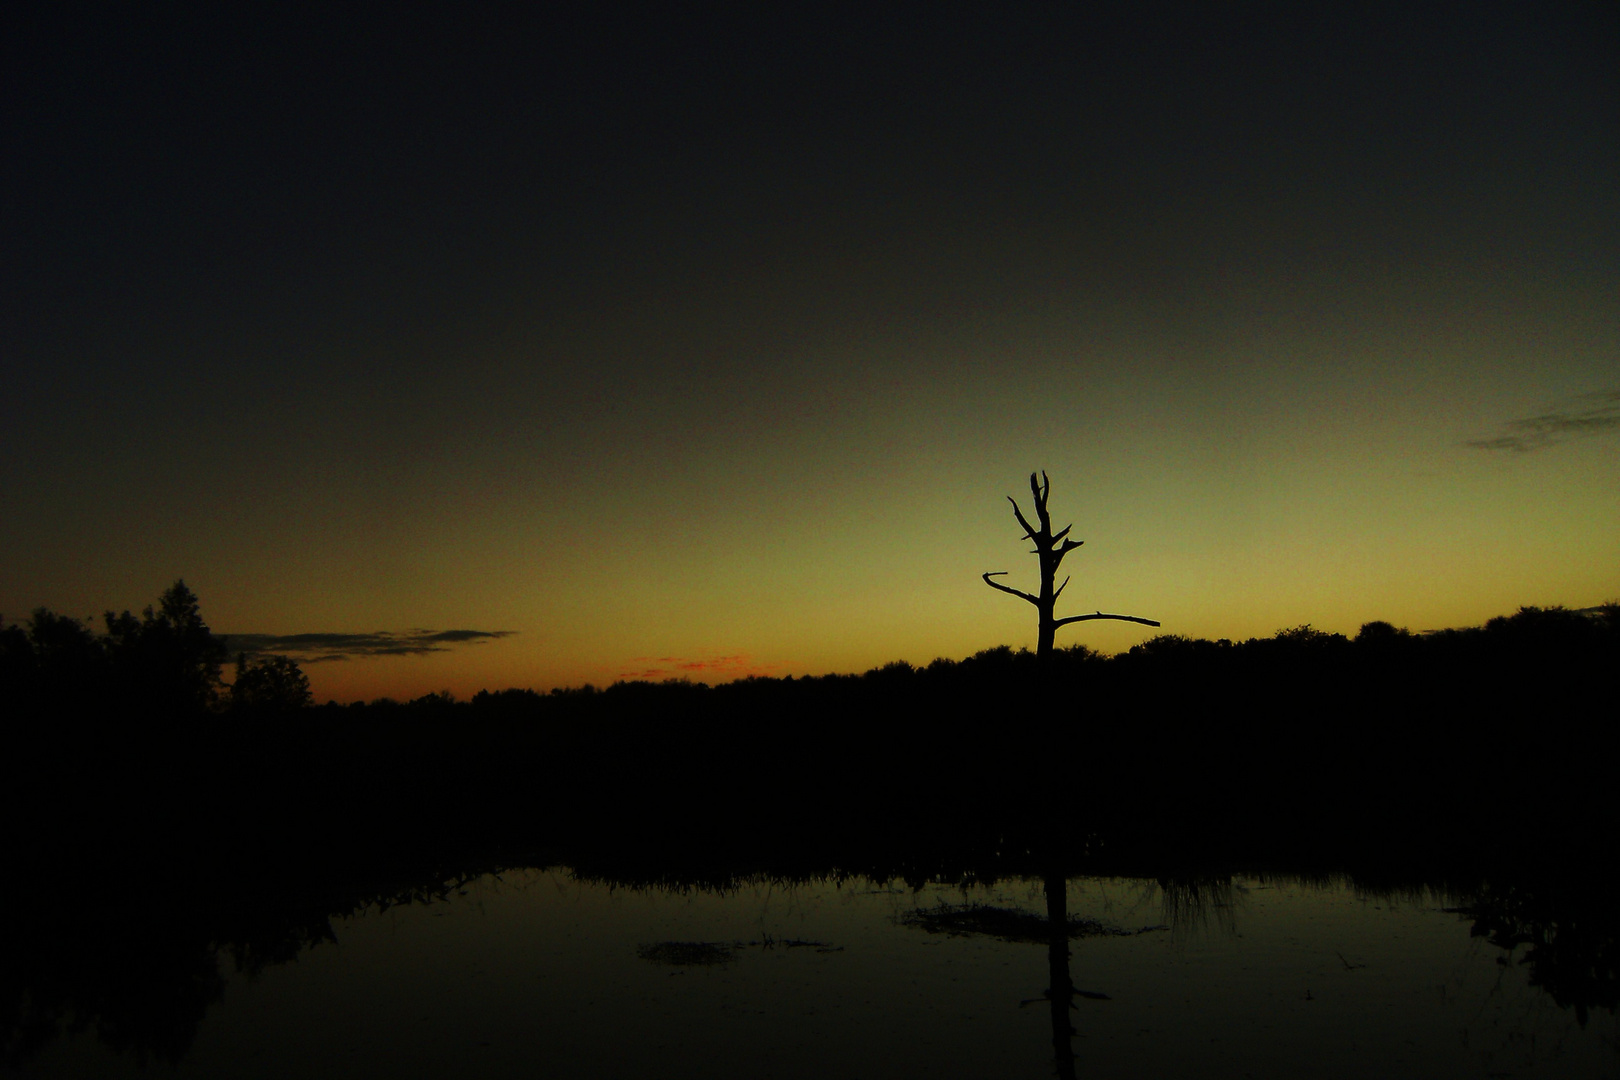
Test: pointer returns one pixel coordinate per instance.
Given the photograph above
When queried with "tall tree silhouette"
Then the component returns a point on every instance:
(1050, 548)
(168, 659)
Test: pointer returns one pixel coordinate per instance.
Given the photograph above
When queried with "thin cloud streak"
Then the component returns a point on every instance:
(733, 666)
(316, 648)
(1590, 414)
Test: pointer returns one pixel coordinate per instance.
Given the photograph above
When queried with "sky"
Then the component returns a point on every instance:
(526, 349)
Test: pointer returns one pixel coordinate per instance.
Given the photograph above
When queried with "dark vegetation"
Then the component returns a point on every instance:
(1489, 743)
(156, 814)
(1306, 747)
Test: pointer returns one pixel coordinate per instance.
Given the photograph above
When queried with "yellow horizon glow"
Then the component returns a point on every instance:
(835, 514)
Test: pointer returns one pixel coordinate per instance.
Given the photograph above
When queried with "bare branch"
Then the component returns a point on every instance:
(1007, 589)
(1058, 536)
(1058, 553)
(1100, 615)
(1029, 530)
(1060, 589)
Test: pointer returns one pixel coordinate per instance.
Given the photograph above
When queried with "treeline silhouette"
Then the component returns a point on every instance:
(157, 814)
(160, 667)
(1493, 743)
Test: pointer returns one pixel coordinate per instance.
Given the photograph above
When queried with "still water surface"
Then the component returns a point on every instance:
(537, 973)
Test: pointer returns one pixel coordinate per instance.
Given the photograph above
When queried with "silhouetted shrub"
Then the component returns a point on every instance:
(269, 685)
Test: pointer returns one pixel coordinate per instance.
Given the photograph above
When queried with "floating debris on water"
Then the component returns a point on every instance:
(1007, 924)
(714, 953)
(689, 953)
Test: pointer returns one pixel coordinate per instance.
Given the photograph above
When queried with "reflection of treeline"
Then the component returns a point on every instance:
(140, 962)
(141, 966)
(1567, 931)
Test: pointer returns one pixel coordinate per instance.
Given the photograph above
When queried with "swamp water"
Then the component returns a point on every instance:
(538, 973)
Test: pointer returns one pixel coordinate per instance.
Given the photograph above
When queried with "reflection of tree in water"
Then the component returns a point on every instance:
(1060, 991)
(1055, 930)
(140, 980)
(1571, 937)
(148, 1006)
(141, 969)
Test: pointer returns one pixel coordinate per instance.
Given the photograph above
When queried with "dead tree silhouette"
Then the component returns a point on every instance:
(1051, 548)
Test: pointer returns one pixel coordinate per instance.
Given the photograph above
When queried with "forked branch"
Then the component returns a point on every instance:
(1040, 492)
